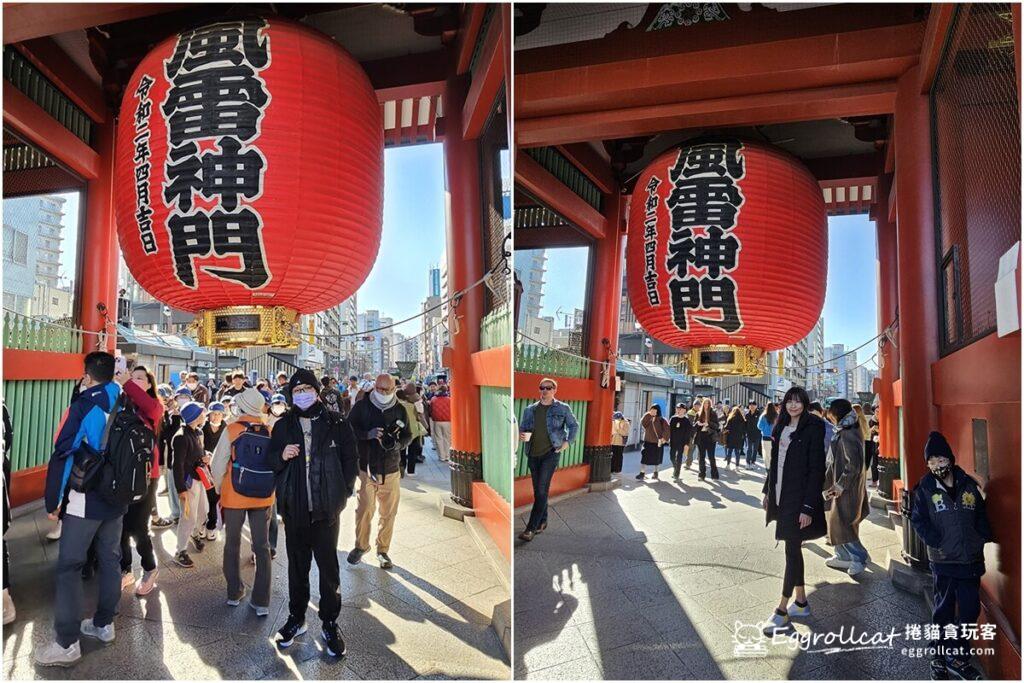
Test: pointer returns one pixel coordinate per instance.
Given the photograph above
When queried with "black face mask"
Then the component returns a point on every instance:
(941, 472)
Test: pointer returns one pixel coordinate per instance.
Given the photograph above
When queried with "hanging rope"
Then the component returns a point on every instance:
(60, 327)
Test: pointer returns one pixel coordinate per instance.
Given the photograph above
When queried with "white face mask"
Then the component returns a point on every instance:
(278, 409)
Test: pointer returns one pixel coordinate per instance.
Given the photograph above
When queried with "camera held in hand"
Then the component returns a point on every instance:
(390, 436)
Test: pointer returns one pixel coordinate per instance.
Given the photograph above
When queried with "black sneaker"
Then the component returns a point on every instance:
(161, 522)
(355, 556)
(385, 561)
(640, 476)
(655, 476)
(198, 543)
(183, 560)
(292, 628)
(962, 669)
(333, 641)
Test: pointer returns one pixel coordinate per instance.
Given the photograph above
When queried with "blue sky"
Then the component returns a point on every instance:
(413, 237)
(850, 309)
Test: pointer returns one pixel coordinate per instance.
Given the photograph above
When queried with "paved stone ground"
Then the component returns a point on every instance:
(429, 617)
(647, 581)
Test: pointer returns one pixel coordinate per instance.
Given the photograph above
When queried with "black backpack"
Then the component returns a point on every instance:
(120, 470)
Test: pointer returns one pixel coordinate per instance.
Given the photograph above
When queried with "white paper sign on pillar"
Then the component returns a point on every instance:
(1007, 305)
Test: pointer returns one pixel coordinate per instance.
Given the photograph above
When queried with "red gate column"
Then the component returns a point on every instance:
(916, 255)
(888, 294)
(603, 337)
(99, 244)
(465, 266)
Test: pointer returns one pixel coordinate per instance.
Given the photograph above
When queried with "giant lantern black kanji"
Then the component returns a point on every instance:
(249, 177)
(727, 253)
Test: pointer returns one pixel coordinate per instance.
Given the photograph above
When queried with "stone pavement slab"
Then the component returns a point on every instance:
(429, 617)
(651, 580)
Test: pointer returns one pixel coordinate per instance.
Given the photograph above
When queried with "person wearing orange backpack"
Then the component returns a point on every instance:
(235, 474)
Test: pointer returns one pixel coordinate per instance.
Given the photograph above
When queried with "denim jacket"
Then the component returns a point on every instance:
(560, 420)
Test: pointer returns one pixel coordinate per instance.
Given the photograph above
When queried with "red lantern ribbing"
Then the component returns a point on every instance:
(727, 253)
(249, 177)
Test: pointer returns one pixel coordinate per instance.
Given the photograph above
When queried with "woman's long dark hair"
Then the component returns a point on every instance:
(707, 413)
(770, 413)
(800, 394)
(656, 407)
(152, 392)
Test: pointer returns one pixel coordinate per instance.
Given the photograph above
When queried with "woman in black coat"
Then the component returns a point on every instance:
(735, 436)
(792, 496)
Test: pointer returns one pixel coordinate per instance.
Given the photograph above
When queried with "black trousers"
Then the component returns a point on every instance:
(675, 455)
(410, 456)
(956, 602)
(136, 526)
(871, 459)
(617, 458)
(706, 444)
(211, 519)
(794, 575)
(304, 543)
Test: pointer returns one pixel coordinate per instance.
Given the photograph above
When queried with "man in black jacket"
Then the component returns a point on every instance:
(382, 431)
(948, 513)
(753, 440)
(314, 454)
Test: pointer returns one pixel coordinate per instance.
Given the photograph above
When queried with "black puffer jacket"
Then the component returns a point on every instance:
(802, 477)
(187, 447)
(953, 524)
(332, 467)
(373, 458)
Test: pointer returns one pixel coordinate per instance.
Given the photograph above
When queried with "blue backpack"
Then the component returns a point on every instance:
(251, 474)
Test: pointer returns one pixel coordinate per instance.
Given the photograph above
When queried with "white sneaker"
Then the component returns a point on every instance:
(411, 475)
(836, 563)
(237, 601)
(211, 534)
(855, 568)
(9, 612)
(797, 611)
(54, 534)
(52, 654)
(775, 623)
(260, 611)
(106, 634)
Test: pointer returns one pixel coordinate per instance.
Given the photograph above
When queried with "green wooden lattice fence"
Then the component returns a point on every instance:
(496, 439)
(496, 329)
(573, 456)
(544, 361)
(22, 332)
(36, 407)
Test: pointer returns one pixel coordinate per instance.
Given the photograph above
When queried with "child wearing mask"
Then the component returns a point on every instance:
(213, 430)
(189, 487)
(948, 513)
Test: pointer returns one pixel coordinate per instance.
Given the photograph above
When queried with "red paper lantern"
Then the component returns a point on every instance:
(249, 177)
(727, 253)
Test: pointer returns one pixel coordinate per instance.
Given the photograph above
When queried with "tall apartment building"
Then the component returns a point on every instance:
(33, 233)
(530, 266)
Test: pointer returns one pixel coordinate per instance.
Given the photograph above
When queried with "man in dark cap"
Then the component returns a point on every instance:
(314, 453)
(948, 513)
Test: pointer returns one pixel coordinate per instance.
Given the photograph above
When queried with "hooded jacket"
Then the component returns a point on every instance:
(86, 421)
(332, 466)
(953, 523)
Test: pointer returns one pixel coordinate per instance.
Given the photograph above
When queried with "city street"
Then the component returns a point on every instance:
(429, 617)
(649, 580)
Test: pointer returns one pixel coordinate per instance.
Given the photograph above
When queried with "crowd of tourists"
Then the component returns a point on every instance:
(818, 466)
(245, 450)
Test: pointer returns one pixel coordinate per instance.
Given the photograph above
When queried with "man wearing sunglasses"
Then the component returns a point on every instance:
(556, 427)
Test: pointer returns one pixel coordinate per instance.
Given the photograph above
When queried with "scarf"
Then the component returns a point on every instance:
(382, 405)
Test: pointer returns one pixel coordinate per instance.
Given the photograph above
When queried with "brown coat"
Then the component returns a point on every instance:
(847, 470)
(654, 428)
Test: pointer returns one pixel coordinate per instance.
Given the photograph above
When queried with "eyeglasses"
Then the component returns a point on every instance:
(546, 388)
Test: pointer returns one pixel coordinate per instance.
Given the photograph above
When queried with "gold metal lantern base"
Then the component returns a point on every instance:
(719, 360)
(234, 327)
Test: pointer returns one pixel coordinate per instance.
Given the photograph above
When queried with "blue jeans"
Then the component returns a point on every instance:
(731, 453)
(172, 493)
(852, 551)
(542, 469)
(753, 448)
(76, 536)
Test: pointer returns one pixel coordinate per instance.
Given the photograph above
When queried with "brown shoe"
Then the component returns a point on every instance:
(526, 535)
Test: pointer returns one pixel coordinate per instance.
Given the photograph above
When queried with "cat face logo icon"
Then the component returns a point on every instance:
(748, 640)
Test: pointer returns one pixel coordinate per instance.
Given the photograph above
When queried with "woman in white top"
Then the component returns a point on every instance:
(792, 496)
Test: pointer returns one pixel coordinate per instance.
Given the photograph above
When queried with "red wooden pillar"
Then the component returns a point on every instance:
(888, 296)
(603, 335)
(916, 256)
(99, 244)
(465, 266)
